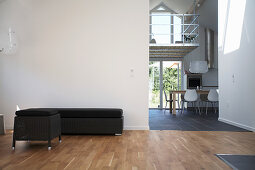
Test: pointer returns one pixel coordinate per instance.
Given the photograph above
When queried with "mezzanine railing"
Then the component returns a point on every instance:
(174, 29)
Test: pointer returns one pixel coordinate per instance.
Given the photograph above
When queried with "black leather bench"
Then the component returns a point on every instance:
(86, 120)
(91, 120)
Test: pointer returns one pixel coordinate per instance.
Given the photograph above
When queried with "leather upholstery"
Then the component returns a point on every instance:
(36, 112)
(83, 120)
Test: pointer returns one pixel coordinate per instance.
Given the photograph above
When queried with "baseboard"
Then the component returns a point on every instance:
(237, 124)
(136, 128)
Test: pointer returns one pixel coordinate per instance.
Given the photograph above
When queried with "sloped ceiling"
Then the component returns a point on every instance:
(179, 6)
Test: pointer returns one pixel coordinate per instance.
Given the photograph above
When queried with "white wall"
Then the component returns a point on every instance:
(76, 54)
(208, 19)
(237, 94)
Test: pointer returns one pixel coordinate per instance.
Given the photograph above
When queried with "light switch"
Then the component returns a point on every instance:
(132, 72)
(233, 78)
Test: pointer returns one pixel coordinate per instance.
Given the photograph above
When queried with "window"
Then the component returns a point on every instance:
(164, 27)
(160, 27)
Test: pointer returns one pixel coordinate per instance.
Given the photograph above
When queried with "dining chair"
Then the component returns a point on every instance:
(213, 98)
(168, 101)
(203, 100)
(191, 96)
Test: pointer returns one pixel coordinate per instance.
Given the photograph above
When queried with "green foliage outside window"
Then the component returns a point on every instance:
(170, 78)
(170, 82)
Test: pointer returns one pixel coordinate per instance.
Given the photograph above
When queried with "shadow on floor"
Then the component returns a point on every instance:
(188, 121)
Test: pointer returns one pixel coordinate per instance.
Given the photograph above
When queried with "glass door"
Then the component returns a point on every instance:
(171, 79)
(164, 76)
(154, 84)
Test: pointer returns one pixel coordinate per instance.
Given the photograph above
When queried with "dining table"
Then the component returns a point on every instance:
(173, 97)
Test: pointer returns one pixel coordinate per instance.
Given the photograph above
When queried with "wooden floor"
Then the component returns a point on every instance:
(156, 150)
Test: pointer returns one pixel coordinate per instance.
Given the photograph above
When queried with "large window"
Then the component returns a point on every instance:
(177, 28)
(166, 28)
(154, 84)
(161, 28)
(164, 76)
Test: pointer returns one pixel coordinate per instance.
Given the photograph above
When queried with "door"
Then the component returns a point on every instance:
(154, 84)
(171, 79)
(164, 76)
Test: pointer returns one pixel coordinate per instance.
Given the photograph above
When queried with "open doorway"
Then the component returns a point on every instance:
(181, 34)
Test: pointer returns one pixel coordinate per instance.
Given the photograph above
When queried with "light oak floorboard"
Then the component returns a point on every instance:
(134, 150)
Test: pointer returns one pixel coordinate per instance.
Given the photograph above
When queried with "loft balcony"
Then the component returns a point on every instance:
(173, 35)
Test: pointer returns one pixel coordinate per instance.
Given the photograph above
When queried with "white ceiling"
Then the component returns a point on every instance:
(179, 6)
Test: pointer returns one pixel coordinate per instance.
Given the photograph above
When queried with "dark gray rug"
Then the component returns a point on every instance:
(238, 162)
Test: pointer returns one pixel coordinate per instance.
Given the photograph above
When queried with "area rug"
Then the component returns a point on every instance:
(238, 162)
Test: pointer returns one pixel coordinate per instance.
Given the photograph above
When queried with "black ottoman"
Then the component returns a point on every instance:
(36, 125)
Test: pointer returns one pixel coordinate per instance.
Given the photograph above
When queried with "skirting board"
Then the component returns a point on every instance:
(237, 124)
(136, 128)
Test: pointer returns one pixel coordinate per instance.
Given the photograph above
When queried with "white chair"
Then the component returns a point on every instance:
(213, 98)
(190, 96)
